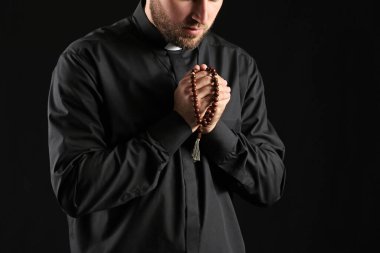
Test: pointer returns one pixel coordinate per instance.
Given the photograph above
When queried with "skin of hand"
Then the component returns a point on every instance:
(183, 100)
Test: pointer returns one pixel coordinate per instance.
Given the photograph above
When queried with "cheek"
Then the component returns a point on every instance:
(213, 13)
(180, 16)
(179, 13)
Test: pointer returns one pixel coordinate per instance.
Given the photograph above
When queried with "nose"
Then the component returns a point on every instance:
(200, 11)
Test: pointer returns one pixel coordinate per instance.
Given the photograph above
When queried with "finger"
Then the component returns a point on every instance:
(209, 90)
(224, 96)
(226, 89)
(202, 86)
(203, 66)
(199, 73)
(203, 89)
(187, 74)
(222, 81)
(207, 76)
(202, 80)
(205, 103)
(196, 67)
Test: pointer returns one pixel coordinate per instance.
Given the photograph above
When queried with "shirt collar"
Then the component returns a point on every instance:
(146, 27)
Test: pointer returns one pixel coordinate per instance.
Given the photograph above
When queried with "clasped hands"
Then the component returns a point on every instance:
(183, 99)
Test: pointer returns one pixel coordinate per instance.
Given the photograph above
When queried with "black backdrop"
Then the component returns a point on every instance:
(318, 64)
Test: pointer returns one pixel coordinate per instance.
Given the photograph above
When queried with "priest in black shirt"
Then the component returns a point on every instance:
(122, 131)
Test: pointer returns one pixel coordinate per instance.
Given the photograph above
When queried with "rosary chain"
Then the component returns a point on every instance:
(211, 110)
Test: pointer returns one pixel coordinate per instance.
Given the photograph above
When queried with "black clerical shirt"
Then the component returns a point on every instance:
(121, 164)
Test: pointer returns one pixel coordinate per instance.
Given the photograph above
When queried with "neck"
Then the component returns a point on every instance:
(147, 12)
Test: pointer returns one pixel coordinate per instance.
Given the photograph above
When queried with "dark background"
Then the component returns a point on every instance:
(318, 64)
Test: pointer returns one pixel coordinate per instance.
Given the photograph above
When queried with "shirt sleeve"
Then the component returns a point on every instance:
(87, 174)
(253, 157)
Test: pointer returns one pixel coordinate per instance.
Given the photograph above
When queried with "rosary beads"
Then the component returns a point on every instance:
(210, 112)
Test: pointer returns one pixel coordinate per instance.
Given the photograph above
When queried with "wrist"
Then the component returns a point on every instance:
(192, 123)
(208, 129)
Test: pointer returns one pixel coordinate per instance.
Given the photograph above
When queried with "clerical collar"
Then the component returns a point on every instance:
(172, 47)
(146, 27)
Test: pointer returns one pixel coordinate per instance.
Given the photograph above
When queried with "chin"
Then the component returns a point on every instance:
(188, 43)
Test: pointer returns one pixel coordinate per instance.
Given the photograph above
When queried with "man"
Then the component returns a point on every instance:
(122, 131)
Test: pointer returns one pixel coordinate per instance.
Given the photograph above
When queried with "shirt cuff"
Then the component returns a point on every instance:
(220, 142)
(171, 131)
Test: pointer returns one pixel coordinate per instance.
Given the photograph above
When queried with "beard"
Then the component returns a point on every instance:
(173, 32)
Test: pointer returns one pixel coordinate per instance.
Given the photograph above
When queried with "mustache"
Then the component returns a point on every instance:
(195, 24)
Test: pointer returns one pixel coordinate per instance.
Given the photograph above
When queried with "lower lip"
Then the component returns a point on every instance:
(193, 31)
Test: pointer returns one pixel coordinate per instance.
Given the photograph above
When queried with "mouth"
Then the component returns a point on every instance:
(193, 30)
